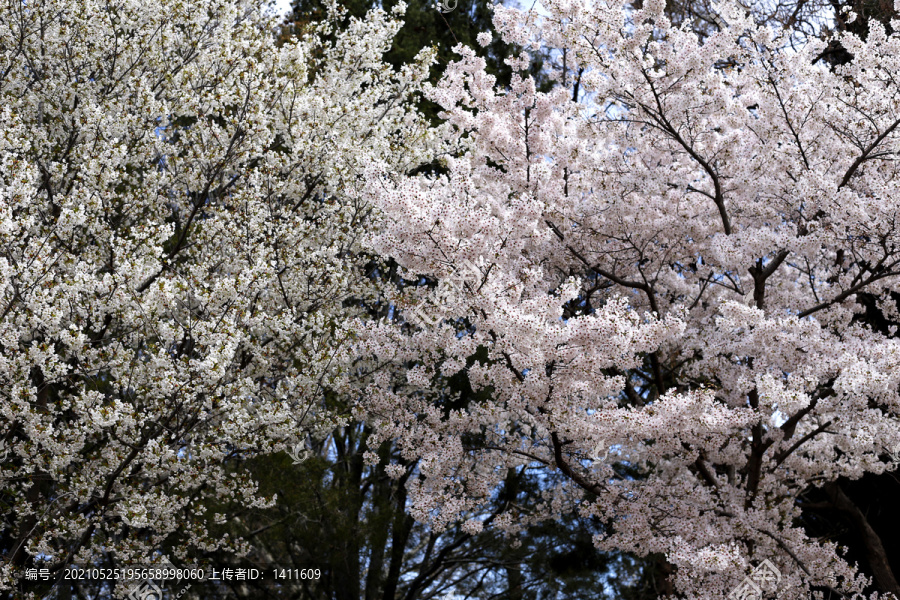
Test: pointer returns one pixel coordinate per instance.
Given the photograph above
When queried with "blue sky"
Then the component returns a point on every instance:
(283, 6)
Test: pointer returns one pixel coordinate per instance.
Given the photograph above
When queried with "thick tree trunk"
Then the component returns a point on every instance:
(400, 531)
(875, 552)
(514, 579)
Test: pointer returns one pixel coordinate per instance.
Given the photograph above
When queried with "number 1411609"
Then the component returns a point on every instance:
(297, 573)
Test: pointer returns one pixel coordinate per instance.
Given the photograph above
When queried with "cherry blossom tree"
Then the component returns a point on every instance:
(177, 243)
(649, 276)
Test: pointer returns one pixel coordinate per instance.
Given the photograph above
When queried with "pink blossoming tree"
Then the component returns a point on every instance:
(649, 277)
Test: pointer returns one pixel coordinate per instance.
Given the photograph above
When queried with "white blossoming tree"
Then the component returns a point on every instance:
(176, 251)
(649, 277)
